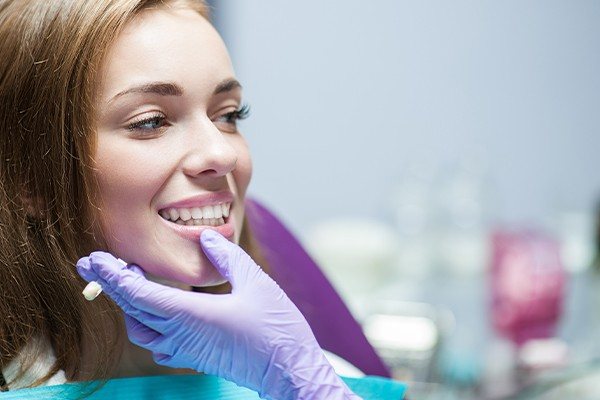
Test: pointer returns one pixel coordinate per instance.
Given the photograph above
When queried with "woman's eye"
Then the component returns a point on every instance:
(148, 124)
(229, 120)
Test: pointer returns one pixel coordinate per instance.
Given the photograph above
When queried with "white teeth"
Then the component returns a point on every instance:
(185, 214)
(216, 221)
(196, 213)
(208, 212)
(212, 215)
(203, 221)
(225, 209)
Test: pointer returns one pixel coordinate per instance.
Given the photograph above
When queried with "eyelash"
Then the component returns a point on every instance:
(241, 113)
(137, 125)
(230, 118)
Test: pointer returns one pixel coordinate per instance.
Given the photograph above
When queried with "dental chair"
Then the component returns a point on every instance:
(301, 278)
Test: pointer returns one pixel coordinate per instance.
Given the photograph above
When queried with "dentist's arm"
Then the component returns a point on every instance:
(255, 336)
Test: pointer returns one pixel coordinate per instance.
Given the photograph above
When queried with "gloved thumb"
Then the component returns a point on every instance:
(227, 257)
(136, 269)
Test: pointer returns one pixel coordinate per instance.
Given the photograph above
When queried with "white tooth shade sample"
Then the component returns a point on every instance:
(92, 290)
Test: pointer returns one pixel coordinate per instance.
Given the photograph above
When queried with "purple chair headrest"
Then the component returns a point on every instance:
(299, 276)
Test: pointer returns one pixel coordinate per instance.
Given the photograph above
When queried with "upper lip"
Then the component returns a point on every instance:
(201, 200)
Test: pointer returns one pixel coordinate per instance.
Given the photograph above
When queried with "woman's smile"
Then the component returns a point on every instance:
(189, 217)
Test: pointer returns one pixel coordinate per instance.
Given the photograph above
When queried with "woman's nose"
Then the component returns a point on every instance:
(209, 154)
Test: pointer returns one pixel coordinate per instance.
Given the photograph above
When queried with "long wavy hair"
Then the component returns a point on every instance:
(50, 54)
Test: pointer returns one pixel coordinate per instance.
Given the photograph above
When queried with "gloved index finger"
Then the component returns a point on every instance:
(228, 258)
(132, 287)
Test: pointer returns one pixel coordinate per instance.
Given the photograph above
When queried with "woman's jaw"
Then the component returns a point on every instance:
(187, 268)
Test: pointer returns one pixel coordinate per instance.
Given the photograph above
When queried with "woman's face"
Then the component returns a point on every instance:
(169, 159)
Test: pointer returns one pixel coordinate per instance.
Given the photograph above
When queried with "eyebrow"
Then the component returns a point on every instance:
(226, 86)
(159, 88)
(172, 89)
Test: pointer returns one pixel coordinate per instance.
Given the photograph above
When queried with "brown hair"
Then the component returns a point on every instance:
(50, 52)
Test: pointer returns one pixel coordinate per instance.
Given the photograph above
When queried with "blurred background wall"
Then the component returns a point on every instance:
(350, 97)
(395, 137)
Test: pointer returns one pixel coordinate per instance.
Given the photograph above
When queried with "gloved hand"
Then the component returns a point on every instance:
(255, 336)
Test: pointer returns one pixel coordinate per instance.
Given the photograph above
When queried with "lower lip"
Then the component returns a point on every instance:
(193, 232)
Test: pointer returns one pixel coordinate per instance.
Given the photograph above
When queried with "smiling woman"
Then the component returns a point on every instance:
(119, 137)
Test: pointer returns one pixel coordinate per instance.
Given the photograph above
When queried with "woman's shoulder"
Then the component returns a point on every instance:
(39, 368)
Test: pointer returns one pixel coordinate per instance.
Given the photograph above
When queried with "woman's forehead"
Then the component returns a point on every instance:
(166, 45)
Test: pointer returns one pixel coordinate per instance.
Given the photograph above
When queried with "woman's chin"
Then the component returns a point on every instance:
(167, 282)
(209, 277)
(212, 278)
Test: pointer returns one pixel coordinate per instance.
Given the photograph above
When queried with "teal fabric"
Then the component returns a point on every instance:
(188, 387)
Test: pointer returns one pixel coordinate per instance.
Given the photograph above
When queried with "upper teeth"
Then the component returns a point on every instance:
(214, 211)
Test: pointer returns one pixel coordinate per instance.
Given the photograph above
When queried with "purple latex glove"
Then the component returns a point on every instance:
(255, 336)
